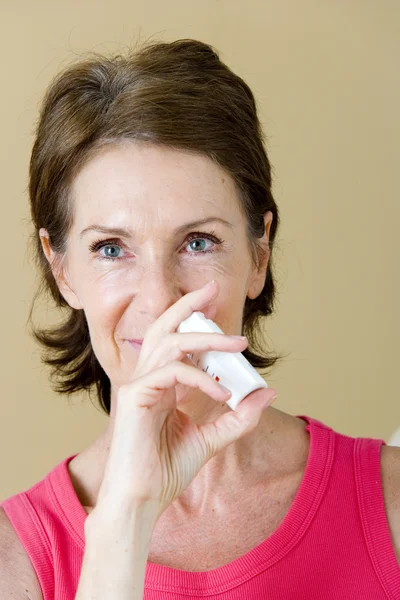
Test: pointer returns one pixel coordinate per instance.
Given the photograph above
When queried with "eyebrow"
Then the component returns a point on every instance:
(121, 232)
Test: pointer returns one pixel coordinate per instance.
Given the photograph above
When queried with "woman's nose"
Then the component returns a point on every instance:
(155, 293)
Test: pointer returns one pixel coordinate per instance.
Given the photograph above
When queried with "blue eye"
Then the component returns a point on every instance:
(200, 237)
(197, 240)
(111, 251)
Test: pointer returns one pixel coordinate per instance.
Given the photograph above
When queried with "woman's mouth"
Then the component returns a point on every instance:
(136, 343)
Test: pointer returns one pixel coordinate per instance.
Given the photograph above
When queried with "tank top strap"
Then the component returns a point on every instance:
(31, 531)
(367, 470)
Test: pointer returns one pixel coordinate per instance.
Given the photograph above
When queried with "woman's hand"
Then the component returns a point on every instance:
(156, 450)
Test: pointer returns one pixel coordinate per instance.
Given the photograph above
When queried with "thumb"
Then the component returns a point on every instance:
(235, 424)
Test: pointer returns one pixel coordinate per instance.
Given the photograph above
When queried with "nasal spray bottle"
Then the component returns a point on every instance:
(230, 369)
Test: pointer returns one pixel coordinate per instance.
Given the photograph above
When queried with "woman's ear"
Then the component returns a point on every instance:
(257, 279)
(58, 269)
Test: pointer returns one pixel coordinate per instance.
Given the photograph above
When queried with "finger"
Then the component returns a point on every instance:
(189, 343)
(147, 388)
(235, 424)
(181, 310)
(182, 390)
(176, 346)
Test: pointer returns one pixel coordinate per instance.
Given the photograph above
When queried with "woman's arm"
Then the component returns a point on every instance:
(17, 577)
(116, 552)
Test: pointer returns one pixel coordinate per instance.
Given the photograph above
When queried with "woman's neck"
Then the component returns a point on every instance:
(277, 448)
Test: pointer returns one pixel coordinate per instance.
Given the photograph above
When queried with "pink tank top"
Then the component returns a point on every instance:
(333, 543)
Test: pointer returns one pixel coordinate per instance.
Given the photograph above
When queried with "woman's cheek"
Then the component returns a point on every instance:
(104, 307)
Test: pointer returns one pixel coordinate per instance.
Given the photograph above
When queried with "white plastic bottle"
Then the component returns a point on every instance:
(232, 370)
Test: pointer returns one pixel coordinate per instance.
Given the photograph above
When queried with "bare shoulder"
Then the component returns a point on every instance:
(390, 473)
(18, 579)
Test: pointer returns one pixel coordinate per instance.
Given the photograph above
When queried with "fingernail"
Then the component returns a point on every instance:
(238, 337)
(226, 389)
(271, 399)
(209, 284)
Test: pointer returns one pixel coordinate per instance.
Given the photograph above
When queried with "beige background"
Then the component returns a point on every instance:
(327, 80)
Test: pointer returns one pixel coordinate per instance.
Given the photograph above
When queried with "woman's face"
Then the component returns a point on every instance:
(132, 251)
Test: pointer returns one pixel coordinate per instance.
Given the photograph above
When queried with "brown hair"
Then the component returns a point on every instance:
(176, 94)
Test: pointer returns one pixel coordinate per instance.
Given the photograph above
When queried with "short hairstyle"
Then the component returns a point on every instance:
(175, 94)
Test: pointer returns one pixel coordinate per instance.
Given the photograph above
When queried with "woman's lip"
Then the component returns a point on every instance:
(135, 342)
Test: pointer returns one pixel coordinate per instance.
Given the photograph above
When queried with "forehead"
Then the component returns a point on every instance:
(145, 181)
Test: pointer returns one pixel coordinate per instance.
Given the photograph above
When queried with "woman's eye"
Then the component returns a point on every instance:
(199, 244)
(111, 251)
(106, 249)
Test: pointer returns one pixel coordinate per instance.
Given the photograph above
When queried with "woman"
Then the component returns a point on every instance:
(149, 179)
